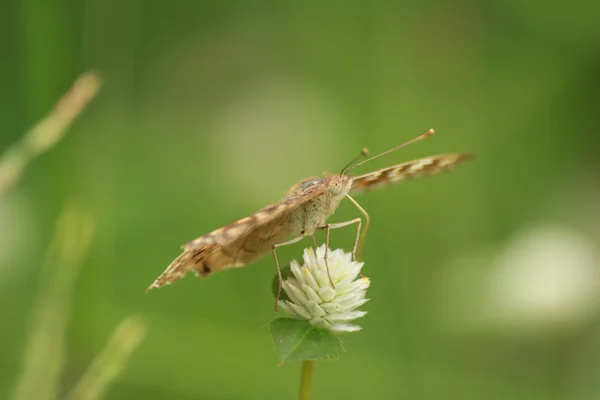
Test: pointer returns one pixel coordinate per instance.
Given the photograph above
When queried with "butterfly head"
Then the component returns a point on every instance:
(339, 185)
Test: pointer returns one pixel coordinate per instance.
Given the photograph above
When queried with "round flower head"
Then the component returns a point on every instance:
(312, 298)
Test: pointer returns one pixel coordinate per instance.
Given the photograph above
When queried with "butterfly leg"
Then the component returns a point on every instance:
(292, 241)
(360, 240)
(338, 225)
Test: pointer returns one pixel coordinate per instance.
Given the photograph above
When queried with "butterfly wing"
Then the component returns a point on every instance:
(239, 243)
(411, 169)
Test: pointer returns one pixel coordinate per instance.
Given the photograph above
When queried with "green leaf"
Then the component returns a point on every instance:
(297, 340)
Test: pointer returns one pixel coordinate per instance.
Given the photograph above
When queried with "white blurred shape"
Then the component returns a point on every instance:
(547, 274)
(546, 279)
(276, 132)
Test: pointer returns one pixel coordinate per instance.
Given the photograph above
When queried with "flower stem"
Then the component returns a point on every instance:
(308, 367)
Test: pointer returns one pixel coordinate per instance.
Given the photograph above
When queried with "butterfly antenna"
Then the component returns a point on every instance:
(363, 153)
(418, 138)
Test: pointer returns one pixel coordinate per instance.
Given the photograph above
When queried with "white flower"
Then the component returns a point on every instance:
(312, 298)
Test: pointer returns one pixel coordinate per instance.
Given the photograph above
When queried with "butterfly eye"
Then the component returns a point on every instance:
(337, 187)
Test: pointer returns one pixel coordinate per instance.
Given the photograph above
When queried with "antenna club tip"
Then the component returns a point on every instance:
(365, 152)
(431, 131)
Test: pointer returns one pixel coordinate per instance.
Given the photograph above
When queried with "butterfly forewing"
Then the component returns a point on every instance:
(240, 242)
(411, 169)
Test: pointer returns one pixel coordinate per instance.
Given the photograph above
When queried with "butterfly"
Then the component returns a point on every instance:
(305, 210)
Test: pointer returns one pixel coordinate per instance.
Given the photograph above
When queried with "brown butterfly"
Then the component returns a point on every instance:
(304, 210)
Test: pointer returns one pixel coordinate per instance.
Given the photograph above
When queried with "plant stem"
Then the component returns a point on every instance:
(306, 379)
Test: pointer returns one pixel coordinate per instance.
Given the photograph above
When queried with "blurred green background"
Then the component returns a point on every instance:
(485, 281)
